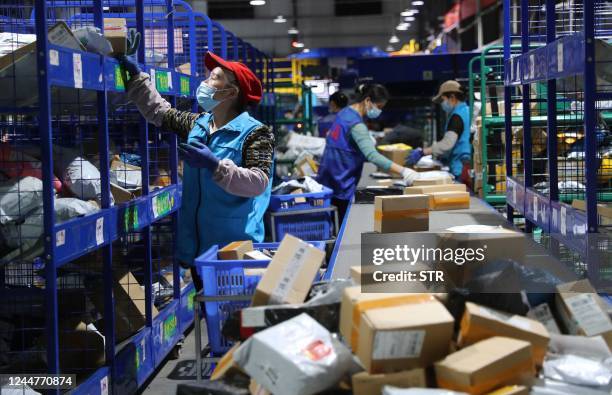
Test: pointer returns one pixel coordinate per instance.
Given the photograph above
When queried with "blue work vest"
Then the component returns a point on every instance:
(209, 215)
(462, 151)
(342, 161)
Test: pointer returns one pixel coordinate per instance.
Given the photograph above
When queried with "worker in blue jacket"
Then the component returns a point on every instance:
(349, 145)
(454, 150)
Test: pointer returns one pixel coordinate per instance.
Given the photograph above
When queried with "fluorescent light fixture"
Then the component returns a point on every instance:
(406, 13)
(414, 11)
(418, 2)
(390, 48)
(280, 19)
(293, 30)
(257, 2)
(402, 26)
(409, 19)
(394, 39)
(298, 44)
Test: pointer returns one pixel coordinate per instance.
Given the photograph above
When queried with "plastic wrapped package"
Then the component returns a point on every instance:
(18, 164)
(299, 143)
(573, 369)
(19, 197)
(552, 387)
(428, 162)
(389, 390)
(296, 357)
(83, 179)
(93, 40)
(308, 184)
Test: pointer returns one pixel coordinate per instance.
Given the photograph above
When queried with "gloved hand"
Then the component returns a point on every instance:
(409, 176)
(197, 154)
(414, 157)
(127, 60)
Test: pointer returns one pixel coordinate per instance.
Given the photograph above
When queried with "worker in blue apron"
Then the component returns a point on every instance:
(349, 145)
(454, 150)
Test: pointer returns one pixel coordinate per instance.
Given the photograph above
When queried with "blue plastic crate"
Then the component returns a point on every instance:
(279, 203)
(311, 226)
(227, 278)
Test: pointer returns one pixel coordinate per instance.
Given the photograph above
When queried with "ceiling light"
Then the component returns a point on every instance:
(293, 30)
(390, 48)
(406, 13)
(257, 2)
(402, 26)
(306, 50)
(297, 44)
(413, 11)
(409, 19)
(280, 19)
(418, 2)
(394, 39)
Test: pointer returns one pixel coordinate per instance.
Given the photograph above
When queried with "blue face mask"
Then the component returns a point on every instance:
(205, 95)
(446, 106)
(373, 112)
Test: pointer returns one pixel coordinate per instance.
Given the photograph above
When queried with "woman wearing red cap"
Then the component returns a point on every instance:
(228, 156)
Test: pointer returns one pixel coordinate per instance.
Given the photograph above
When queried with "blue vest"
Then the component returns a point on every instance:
(462, 151)
(342, 162)
(209, 215)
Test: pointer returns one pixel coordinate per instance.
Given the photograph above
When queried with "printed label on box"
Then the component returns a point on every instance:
(60, 238)
(563, 219)
(104, 385)
(53, 57)
(253, 318)
(542, 314)
(291, 271)
(77, 70)
(588, 314)
(100, 231)
(560, 57)
(398, 344)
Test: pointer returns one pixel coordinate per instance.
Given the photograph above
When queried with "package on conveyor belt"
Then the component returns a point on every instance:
(404, 337)
(543, 314)
(582, 311)
(479, 323)
(402, 213)
(18, 198)
(578, 370)
(428, 162)
(553, 387)
(364, 383)
(486, 365)
(511, 390)
(434, 177)
(425, 189)
(296, 357)
(290, 273)
(397, 153)
(448, 200)
(391, 390)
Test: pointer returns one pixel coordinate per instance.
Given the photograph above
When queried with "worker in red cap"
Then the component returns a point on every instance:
(228, 155)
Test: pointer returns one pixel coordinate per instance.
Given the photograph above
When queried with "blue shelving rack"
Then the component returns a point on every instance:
(560, 74)
(74, 252)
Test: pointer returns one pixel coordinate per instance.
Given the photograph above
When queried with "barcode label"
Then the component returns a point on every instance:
(514, 194)
(532, 66)
(398, 344)
(563, 223)
(543, 315)
(535, 208)
(153, 80)
(588, 314)
(77, 70)
(292, 269)
(100, 231)
(560, 57)
(60, 238)
(253, 317)
(104, 385)
(53, 57)
(555, 219)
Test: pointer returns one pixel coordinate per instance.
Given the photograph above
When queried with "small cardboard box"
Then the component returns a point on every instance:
(397, 153)
(511, 390)
(235, 251)
(368, 384)
(425, 189)
(403, 213)
(227, 367)
(582, 311)
(486, 365)
(298, 199)
(81, 346)
(443, 180)
(441, 201)
(410, 336)
(185, 68)
(115, 31)
(354, 303)
(256, 255)
(290, 273)
(479, 323)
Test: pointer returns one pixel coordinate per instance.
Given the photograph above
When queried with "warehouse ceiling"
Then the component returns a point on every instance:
(327, 23)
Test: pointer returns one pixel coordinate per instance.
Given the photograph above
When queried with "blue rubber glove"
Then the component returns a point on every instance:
(198, 155)
(127, 60)
(414, 157)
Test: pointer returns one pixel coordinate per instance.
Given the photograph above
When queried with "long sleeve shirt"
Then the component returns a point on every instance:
(361, 136)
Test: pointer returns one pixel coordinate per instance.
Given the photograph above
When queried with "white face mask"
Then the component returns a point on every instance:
(205, 95)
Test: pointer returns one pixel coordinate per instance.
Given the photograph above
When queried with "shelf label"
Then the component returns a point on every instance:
(185, 90)
(104, 385)
(162, 204)
(162, 81)
(169, 328)
(53, 57)
(560, 57)
(60, 238)
(563, 221)
(514, 194)
(555, 218)
(532, 66)
(100, 231)
(77, 70)
(190, 299)
(141, 355)
(130, 218)
(119, 84)
(535, 207)
(170, 80)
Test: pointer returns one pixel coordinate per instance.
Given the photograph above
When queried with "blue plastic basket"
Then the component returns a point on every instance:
(312, 226)
(279, 203)
(222, 278)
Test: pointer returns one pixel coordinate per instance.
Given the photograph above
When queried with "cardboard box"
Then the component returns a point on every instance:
(235, 251)
(81, 346)
(410, 336)
(486, 365)
(479, 323)
(365, 383)
(254, 271)
(582, 311)
(441, 201)
(433, 181)
(290, 273)
(298, 199)
(256, 255)
(227, 367)
(115, 31)
(397, 153)
(511, 390)
(354, 303)
(356, 274)
(425, 189)
(402, 213)
(388, 182)
(257, 389)
(122, 195)
(185, 68)
(307, 167)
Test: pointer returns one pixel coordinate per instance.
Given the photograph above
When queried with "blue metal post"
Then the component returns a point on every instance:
(508, 102)
(221, 29)
(551, 98)
(235, 54)
(590, 115)
(527, 140)
(44, 125)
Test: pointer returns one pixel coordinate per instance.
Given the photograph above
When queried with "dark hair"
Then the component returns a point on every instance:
(339, 98)
(376, 92)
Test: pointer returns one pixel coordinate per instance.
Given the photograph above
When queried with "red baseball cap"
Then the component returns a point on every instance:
(250, 85)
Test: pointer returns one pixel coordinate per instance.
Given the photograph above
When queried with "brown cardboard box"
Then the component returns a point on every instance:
(80, 347)
(115, 31)
(254, 271)
(307, 167)
(384, 183)
(441, 201)
(479, 323)
(486, 365)
(582, 311)
(425, 189)
(122, 195)
(299, 199)
(404, 337)
(290, 273)
(257, 389)
(433, 181)
(511, 390)
(227, 367)
(235, 250)
(402, 213)
(395, 152)
(185, 68)
(256, 255)
(354, 303)
(368, 384)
